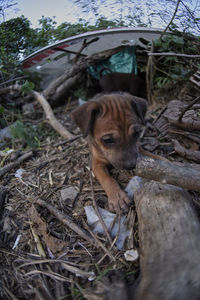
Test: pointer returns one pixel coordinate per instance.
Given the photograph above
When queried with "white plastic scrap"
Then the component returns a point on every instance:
(108, 217)
(131, 255)
(133, 185)
(81, 101)
(16, 241)
(19, 173)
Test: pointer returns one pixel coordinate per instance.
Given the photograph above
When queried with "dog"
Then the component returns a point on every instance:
(127, 82)
(113, 123)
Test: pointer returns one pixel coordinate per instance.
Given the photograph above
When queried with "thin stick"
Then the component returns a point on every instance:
(98, 213)
(99, 243)
(65, 220)
(174, 14)
(172, 54)
(187, 108)
(14, 164)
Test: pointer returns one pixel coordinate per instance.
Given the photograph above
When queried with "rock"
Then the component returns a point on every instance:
(69, 194)
(29, 108)
(5, 133)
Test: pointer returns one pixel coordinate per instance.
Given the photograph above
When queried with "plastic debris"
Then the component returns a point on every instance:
(133, 185)
(131, 255)
(19, 172)
(108, 218)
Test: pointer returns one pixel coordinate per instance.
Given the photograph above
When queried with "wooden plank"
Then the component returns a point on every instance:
(169, 243)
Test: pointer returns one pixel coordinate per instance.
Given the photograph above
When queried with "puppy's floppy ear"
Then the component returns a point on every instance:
(139, 105)
(85, 115)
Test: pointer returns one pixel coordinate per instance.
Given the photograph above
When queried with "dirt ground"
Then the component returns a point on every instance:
(41, 257)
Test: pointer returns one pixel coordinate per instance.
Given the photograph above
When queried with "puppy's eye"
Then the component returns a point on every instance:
(108, 141)
(136, 135)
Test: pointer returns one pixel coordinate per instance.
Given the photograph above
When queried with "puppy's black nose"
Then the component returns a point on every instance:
(129, 164)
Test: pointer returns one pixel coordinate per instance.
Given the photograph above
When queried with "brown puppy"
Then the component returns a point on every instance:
(127, 82)
(113, 124)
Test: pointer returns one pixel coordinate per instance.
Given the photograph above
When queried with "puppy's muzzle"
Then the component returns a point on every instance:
(127, 161)
(129, 165)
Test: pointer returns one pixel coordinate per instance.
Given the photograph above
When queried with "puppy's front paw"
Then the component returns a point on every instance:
(119, 203)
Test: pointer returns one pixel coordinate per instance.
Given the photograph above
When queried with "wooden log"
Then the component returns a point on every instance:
(186, 153)
(60, 85)
(168, 173)
(169, 243)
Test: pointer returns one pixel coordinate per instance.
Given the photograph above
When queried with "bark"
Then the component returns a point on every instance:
(169, 243)
(186, 153)
(71, 76)
(168, 173)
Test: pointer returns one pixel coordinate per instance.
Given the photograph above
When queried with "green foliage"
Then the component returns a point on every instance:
(25, 133)
(2, 119)
(170, 70)
(103, 23)
(27, 87)
(103, 273)
(1, 110)
(67, 29)
(80, 93)
(13, 36)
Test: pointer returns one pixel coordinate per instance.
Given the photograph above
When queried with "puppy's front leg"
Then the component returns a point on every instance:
(117, 199)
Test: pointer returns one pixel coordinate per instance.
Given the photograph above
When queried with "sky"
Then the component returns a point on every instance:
(67, 11)
(64, 10)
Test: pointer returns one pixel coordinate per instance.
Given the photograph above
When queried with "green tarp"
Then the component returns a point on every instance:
(124, 62)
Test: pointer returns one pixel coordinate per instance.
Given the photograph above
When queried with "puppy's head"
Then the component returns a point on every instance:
(113, 123)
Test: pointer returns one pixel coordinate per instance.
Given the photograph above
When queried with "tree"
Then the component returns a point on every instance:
(4, 5)
(152, 13)
(13, 36)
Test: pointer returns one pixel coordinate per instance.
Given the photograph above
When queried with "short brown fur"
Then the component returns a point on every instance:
(112, 123)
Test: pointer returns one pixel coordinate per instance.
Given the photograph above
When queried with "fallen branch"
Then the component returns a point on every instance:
(14, 164)
(99, 244)
(186, 153)
(15, 87)
(189, 135)
(167, 172)
(187, 108)
(60, 85)
(84, 45)
(64, 219)
(51, 118)
(169, 243)
(189, 124)
(172, 54)
(12, 80)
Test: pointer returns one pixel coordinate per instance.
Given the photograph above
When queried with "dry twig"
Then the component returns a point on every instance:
(14, 164)
(186, 153)
(188, 107)
(65, 220)
(170, 22)
(51, 118)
